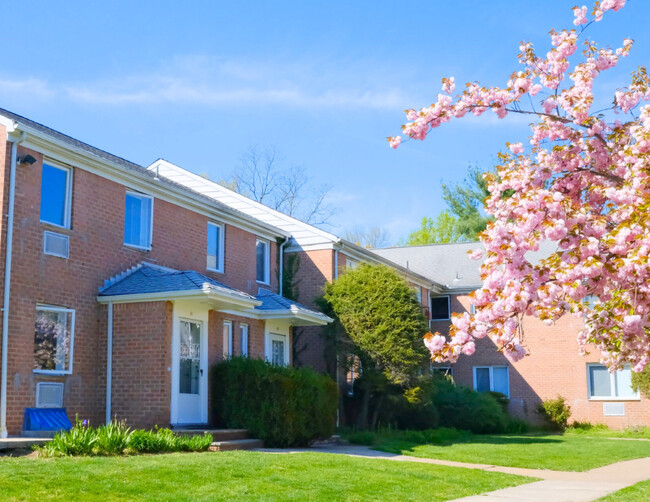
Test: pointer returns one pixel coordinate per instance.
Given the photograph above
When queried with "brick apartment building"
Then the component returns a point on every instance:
(554, 366)
(121, 287)
(123, 284)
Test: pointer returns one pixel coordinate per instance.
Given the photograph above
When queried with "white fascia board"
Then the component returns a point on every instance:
(238, 201)
(460, 291)
(294, 247)
(152, 297)
(78, 158)
(232, 300)
(9, 124)
(297, 317)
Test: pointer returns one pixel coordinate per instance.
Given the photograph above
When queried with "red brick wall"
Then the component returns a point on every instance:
(96, 253)
(315, 269)
(553, 368)
(141, 383)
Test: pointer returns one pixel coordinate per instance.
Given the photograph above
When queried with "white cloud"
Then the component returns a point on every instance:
(26, 89)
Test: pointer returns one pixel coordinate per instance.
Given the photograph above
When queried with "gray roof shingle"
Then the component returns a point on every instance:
(147, 278)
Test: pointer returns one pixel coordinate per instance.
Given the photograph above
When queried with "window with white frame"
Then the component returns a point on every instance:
(138, 219)
(53, 340)
(278, 349)
(440, 308)
(227, 339)
(243, 338)
(441, 371)
(605, 385)
(56, 195)
(492, 378)
(351, 264)
(263, 261)
(418, 293)
(215, 247)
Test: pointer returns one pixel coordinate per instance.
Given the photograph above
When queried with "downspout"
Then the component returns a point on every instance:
(109, 361)
(7, 285)
(286, 241)
(338, 365)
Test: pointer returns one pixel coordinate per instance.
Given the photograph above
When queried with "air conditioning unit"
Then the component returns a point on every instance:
(614, 409)
(56, 244)
(49, 395)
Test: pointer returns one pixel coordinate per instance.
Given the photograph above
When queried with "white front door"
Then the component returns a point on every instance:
(191, 398)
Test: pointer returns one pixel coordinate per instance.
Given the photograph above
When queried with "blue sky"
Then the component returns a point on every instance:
(323, 83)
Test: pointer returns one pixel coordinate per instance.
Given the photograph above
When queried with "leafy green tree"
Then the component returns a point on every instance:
(463, 221)
(383, 323)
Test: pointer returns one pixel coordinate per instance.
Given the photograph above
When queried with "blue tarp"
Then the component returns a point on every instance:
(46, 419)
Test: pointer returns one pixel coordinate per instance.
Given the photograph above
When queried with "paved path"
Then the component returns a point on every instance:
(556, 486)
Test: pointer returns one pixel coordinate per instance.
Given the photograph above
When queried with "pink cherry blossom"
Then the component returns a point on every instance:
(581, 194)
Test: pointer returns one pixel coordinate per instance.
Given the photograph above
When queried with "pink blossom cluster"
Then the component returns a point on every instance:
(582, 194)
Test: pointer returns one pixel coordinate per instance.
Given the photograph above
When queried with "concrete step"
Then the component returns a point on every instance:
(217, 434)
(236, 444)
(21, 443)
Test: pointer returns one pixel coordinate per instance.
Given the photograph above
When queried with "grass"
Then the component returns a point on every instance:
(639, 492)
(571, 452)
(600, 430)
(239, 475)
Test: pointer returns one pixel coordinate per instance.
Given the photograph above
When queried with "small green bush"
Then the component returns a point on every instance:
(365, 438)
(556, 412)
(112, 438)
(116, 438)
(282, 406)
(516, 425)
(466, 409)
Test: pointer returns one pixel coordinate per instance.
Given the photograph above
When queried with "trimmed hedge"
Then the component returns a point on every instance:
(282, 406)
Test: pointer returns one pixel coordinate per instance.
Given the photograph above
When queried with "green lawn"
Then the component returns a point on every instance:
(555, 452)
(238, 475)
(639, 492)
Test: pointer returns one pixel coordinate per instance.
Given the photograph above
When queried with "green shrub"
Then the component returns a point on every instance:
(116, 438)
(79, 440)
(556, 412)
(641, 381)
(516, 425)
(112, 438)
(365, 438)
(584, 427)
(464, 408)
(282, 406)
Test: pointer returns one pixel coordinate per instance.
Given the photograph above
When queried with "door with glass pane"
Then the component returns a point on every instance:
(278, 350)
(191, 374)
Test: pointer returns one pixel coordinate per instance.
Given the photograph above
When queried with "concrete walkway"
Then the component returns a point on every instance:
(556, 486)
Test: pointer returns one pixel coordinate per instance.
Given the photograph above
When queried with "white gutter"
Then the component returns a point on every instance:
(109, 362)
(286, 241)
(7, 285)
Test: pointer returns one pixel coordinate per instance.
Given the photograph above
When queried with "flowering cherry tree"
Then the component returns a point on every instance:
(583, 185)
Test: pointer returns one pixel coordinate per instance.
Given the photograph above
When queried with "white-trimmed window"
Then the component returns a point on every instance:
(138, 220)
(492, 378)
(418, 293)
(440, 308)
(243, 338)
(442, 371)
(605, 385)
(278, 349)
(351, 264)
(215, 247)
(263, 261)
(227, 339)
(56, 195)
(53, 340)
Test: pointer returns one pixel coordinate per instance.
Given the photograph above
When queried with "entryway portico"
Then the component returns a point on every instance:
(166, 367)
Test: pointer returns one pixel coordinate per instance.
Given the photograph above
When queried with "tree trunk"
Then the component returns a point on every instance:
(362, 421)
(375, 415)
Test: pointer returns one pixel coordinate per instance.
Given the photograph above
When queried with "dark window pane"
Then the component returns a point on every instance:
(54, 192)
(213, 247)
(601, 383)
(440, 307)
(261, 261)
(483, 379)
